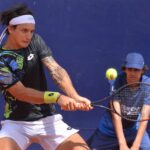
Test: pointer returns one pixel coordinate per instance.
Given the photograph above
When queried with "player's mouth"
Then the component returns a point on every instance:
(26, 42)
(133, 79)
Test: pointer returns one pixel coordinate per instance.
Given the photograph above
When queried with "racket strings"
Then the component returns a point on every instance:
(131, 100)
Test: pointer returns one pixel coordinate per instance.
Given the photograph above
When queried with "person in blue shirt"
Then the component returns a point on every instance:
(112, 133)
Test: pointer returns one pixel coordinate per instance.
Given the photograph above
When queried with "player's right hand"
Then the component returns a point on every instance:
(68, 104)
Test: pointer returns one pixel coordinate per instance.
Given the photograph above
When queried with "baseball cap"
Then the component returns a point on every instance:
(134, 60)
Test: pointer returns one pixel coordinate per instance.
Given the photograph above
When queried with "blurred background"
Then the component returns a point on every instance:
(87, 37)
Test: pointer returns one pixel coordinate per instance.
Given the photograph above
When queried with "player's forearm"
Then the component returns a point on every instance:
(140, 133)
(29, 95)
(117, 121)
(119, 129)
(145, 112)
(60, 76)
(66, 85)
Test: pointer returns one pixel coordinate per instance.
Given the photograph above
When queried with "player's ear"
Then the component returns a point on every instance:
(10, 29)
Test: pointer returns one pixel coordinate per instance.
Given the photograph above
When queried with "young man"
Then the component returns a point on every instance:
(112, 133)
(30, 115)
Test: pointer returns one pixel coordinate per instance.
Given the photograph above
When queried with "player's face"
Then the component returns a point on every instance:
(133, 75)
(21, 35)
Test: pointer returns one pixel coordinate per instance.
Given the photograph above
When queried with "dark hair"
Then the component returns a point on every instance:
(145, 68)
(13, 12)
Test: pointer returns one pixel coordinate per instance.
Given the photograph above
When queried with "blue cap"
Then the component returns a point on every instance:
(134, 60)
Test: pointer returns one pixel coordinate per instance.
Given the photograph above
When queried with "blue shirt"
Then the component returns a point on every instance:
(106, 125)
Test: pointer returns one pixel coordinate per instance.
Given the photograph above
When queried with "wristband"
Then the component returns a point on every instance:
(51, 97)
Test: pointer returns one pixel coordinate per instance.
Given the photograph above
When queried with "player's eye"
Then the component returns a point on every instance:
(24, 30)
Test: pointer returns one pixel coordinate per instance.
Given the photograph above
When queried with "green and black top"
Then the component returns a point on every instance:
(25, 65)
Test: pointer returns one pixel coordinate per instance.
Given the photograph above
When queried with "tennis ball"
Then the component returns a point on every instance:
(111, 73)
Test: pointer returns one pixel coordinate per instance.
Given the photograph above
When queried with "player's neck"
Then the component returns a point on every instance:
(10, 45)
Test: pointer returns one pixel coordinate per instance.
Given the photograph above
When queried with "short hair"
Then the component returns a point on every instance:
(18, 10)
(145, 68)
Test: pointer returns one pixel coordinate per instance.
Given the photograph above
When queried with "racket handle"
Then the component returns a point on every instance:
(111, 82)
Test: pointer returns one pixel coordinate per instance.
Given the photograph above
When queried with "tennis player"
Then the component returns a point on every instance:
(30, 115)
(112, 133)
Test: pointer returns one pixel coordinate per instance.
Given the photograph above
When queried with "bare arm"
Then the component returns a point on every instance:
(29, 95)
(142, 128)
(60, 76)
(119, 128)
(62, 79)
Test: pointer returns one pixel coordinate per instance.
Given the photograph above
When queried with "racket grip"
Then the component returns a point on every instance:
(111, 82)
(93, 103)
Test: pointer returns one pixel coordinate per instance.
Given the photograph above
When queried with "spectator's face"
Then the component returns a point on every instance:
(133, 75)
(21, 35)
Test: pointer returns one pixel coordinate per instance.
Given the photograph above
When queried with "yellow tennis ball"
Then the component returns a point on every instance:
(111, 73)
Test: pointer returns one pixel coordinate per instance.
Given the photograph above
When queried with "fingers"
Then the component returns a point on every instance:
(70, 104)
(69, 108)
(85, 104)
(67, 103)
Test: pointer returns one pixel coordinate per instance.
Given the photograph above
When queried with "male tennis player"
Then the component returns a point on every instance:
(113, 134)
(30, 115)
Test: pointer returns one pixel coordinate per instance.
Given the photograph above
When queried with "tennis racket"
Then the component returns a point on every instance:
(131, 102)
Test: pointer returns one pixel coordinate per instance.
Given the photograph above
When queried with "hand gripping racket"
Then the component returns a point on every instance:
(131, 102)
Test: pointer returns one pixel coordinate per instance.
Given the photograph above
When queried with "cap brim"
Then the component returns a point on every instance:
(136, 66)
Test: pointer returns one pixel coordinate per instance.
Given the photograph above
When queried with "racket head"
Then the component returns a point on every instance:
(131, 102)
